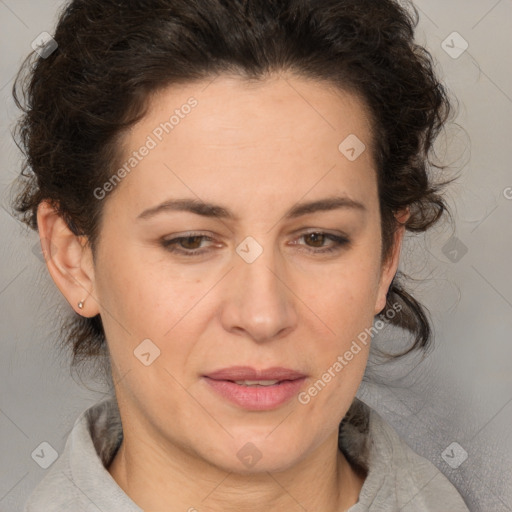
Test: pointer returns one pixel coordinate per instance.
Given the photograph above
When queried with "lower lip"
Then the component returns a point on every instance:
(257, 398)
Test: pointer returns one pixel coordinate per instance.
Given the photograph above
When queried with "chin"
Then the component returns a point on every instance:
(252, 454)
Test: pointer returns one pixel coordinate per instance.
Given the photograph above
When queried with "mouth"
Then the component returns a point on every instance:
(256, 390)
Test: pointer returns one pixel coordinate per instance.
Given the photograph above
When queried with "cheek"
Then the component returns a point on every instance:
(346, 307)
(345, 300)
(139, 294)
(130, 306)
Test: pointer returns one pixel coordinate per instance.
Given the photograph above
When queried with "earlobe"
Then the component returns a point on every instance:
(68, 260)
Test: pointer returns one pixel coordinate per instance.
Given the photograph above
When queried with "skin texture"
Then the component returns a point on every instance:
(257, 149)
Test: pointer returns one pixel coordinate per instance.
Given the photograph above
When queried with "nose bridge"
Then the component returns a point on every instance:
(260, 273)
(260, 303)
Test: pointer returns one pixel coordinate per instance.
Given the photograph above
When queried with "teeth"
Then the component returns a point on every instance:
(256, 382)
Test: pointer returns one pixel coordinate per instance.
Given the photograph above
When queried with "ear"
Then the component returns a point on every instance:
(390, 266)
(69, 260)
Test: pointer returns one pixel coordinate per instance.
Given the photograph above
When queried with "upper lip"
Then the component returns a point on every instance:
(235, 373)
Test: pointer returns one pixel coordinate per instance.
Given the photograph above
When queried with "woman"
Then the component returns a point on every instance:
(221, 189)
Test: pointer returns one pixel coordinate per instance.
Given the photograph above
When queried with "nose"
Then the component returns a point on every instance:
(259, 302)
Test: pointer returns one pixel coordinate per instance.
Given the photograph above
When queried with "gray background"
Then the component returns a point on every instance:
(460, 393)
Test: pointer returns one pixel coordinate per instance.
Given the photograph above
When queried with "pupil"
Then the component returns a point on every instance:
(317, 237)
(189, 240)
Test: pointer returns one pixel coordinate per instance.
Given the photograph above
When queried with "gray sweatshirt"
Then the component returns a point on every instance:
(398, 479)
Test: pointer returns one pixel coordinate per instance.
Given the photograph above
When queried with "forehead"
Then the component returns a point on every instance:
(277, 136)
(230, 109)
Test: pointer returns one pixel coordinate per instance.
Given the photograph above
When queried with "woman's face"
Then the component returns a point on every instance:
(235, 276)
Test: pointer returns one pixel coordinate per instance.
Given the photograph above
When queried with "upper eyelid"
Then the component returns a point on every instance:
(297, 233)
(211, 238)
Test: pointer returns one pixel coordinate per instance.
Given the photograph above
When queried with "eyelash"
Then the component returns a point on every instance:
(172, 244)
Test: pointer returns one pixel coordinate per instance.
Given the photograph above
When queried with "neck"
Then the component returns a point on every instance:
(155, 478)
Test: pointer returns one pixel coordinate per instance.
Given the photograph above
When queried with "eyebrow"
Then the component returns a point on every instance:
(212, 210)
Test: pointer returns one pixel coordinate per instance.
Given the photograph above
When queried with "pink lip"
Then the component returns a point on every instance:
(249, 373)
(257, 398)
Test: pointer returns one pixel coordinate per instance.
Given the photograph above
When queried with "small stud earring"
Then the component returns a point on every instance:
(81, 304)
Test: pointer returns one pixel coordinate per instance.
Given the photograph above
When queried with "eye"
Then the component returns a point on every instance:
(318, 238)
(189, 245)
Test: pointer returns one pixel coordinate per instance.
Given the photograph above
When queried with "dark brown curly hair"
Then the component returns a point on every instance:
(112, 55)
